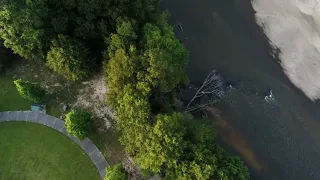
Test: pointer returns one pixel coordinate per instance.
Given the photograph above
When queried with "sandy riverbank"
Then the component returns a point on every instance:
(294, 27)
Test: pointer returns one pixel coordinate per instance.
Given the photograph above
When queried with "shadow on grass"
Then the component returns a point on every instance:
(107, 142)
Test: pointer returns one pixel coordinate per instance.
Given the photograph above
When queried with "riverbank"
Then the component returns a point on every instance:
(282, 136)
(294, 28)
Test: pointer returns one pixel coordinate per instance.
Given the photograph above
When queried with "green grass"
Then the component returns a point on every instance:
(65, 93)
(107, 142)
(59, 90)
(10, 99)
(31, 151)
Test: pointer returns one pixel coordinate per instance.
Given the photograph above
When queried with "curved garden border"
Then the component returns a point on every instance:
(57, 124)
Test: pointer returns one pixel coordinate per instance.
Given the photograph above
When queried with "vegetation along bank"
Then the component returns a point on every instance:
(144, 69)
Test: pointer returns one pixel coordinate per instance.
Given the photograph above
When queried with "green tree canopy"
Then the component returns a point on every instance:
(203, 158)
(70, 58)
(120, 71)
(153, 62)
(165, 57)
(180, 147)
(22, 26)
(133, 115)
(79, 123)
(27, 27)
(116, 172)
(164, 145)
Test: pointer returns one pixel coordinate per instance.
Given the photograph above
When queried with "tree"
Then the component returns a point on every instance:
(181, 148)
(116, 172)
(164, 145)
(79, 123)
(121, 60)
(203, 158)
(27, 27)
(119, 71)
(154, 62)
(165, 57)
(133, 117)
(70, 58)
(31, 91)
(211, 90)
(22, 26)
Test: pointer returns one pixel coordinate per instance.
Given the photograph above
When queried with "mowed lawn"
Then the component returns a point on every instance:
(59, 91)
(10, 99)
(31, 151)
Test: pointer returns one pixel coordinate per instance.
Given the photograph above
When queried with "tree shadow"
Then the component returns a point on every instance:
(7, 58)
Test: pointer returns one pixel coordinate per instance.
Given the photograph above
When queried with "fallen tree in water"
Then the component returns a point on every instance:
(211, 87)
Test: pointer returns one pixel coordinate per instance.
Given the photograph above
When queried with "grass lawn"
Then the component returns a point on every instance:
(107, 142)
(31, 151)
(60, 91)
(10, 99)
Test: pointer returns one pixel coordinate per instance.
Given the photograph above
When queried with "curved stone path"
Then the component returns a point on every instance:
(57, 124)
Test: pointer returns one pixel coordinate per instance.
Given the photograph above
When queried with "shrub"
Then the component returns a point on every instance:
(29, 90)
(70, 58)
(116, 172)
(79, 123)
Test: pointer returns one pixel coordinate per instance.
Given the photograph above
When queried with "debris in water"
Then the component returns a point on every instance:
(269, 98)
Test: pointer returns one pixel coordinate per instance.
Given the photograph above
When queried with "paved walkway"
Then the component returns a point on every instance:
(58, 125)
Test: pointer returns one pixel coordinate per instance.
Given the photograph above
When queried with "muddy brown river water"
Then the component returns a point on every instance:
(278, 139)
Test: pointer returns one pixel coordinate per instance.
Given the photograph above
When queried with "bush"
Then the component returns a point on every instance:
(79, 123)
(116, 172)
(30, 91)
(70, 58)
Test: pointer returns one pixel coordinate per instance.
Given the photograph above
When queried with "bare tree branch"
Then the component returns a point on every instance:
(180, 27)
(211, 85)
(201, 106)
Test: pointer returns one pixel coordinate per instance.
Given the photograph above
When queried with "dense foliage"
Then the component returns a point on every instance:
(31, 91)
(70, 58)
(29, 27)
(116, 172)
(165, 58)
(22, 26)
(145, 64)
(202, 157)
(180, 147)
(154, 63)
(79, 123)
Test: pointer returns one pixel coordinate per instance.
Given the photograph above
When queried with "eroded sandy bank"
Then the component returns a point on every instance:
(293, 26)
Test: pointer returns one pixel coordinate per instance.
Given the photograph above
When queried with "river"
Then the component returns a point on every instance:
(278, 139)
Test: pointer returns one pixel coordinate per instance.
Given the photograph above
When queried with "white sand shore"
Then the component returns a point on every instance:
(293, 26)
